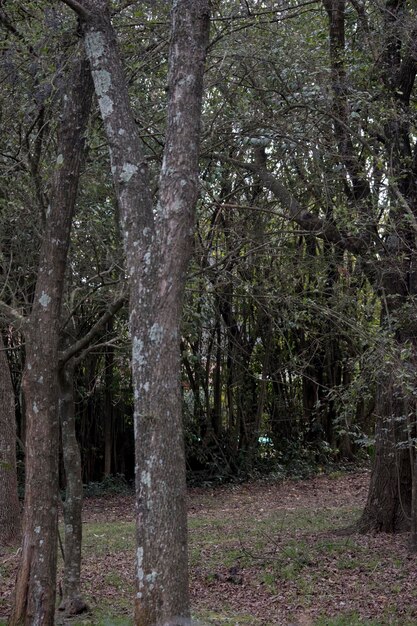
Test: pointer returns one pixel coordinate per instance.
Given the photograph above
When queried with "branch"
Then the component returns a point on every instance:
(95, 346)
(296, 212)
(78, 8)
(4, 21)
(123, 5)
(403, 202)
(82, 343)
(89, 294)
(11, 315)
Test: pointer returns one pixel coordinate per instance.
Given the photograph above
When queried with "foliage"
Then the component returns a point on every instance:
(287, 334)
(279, 325)
(109, 486)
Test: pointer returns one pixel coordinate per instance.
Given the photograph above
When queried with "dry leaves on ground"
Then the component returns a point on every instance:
(265, 553)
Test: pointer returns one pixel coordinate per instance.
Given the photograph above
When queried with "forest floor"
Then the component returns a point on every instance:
(263, 553)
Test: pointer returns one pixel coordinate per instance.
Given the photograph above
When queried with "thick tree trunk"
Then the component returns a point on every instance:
(389, 501)
(34, 601)
(158, 245)
(72, 601)
(389, 498)
(9, 508)
(388, 506)
(35, 586)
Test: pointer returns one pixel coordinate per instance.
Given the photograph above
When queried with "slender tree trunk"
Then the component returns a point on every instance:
(34, 601)
(217, 384)
(108, 406)
(162, 569)
(72, 601)
(413, 525)
(9, 507)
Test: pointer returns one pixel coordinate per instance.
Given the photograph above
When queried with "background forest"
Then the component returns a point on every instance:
(281, 333)
(298, 336)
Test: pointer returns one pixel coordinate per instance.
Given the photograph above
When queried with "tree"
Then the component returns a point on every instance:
(361, 150)
(34, 600)
(10, 508)
(69, 357)
(388, 506)
(157, 245)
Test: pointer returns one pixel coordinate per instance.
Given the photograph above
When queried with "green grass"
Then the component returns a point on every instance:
(354, 619)
(206, 618)
(267, 545)
(251, 542)
(345, 620)
(101, 621)
(281, 552)
(100, 538)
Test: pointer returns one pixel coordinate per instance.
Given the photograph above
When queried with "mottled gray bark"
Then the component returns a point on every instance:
(9, 507)
(72, 601)
(34, 600)
(157, 246)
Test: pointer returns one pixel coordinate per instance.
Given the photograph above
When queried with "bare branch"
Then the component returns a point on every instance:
(11, 315)
(78, 8)
(82, 343)
(94, 346)
(307, 220)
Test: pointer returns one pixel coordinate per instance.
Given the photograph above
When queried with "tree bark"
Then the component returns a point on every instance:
(108, 405)
(72, 602)
(34, 600)
(162, 570)
(388, 506)
(10, 508)
(157, 246)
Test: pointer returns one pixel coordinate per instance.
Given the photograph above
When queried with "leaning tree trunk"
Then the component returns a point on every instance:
(9, 508)
(34, 600)
(157, 244)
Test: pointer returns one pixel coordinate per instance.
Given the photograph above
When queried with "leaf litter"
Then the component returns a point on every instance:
(265, 553)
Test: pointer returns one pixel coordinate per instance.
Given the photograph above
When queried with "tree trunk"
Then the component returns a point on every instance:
(413, 524)
(388, 506)
(157, 245)
(108, 405)
(10, 508)
(217, 422)
(34, 601)
(389, 498)
(72, 601)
